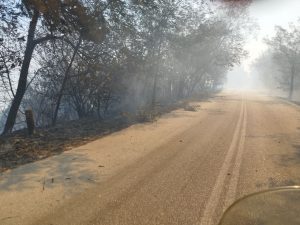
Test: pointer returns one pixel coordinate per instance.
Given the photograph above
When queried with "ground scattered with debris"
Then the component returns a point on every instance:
(19, 148)
(33, 190)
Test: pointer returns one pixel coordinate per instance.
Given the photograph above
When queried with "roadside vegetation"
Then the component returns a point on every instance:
(108, 60)
(279, 65)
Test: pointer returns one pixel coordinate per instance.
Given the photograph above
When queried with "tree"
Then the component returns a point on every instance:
(285, 46)
(209, 48)
(56, 17)
(268, 71)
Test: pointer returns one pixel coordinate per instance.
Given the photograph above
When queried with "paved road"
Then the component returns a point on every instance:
(243, 144)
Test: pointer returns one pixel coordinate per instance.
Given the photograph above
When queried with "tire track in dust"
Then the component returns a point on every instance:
(213, 201)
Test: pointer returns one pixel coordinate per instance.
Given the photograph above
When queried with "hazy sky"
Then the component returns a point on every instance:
(267, 13)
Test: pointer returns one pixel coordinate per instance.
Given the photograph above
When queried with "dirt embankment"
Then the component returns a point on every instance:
(19, 148)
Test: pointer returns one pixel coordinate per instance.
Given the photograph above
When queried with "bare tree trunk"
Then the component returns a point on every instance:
(195, 83)
(291, 91)
(180, 93)
(30, 45)
(153, 101)
(63, 85)
(30, 122)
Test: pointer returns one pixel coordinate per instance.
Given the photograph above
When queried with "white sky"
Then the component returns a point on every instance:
(267, 13)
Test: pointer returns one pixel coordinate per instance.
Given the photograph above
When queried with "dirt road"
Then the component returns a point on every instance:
(184, 169)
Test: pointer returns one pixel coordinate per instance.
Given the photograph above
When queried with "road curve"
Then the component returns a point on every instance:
(245, 143)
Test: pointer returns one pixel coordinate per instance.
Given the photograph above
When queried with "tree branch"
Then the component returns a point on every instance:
(46, 38)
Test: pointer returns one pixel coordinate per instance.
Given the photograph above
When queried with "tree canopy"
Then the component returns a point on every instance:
(98, 58)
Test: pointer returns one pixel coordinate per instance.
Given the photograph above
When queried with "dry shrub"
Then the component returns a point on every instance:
(190, 108)
(146, 115)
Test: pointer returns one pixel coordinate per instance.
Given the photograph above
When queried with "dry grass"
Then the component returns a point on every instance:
(19, 148)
